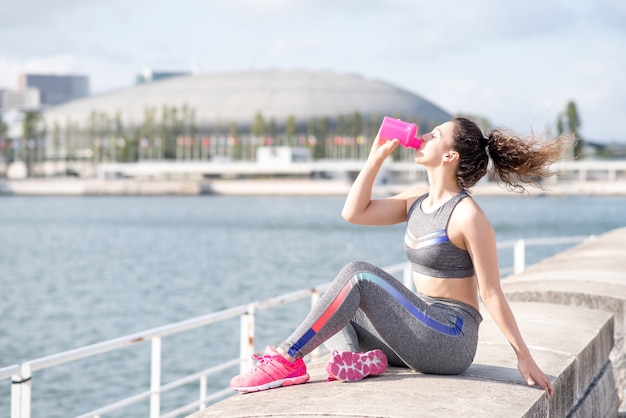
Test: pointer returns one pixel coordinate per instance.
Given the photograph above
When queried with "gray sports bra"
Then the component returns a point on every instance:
(426, 242)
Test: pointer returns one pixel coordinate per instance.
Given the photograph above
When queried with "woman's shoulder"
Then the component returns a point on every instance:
(468, 210)
(412, 195)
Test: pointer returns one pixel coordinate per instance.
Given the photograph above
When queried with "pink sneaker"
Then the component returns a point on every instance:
(351, 367)
(272, 371)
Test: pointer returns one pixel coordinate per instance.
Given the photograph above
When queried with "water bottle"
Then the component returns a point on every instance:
(405, 132)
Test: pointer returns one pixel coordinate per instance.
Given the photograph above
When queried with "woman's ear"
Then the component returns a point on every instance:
(451, 156)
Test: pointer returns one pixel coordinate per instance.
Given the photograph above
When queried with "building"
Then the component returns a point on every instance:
(148, 75)
(227, 116)
(22, 100)
(219, 101)
(56, 89)
(282, 155)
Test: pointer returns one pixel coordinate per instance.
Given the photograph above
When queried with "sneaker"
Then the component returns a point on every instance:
(271, 371)
(351, 367)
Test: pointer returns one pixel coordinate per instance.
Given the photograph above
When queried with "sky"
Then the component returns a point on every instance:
(516, 63)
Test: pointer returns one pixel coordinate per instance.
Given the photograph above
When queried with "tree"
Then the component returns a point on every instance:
(272, 129)
(258, 126)
(319, 128)
(168, 132)
(4, 142)
(573, 121)
(30, 136)
(30, 125)
(119, 137)
(3, 128)
(570, 120)
(559, 126)
(355, 125)
(291, 129)
(56, 143)
(147, 143)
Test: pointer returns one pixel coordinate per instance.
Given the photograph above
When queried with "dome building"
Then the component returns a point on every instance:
(222, 99)
(230, 115)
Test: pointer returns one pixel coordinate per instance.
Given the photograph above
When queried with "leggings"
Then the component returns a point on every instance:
(366, 308)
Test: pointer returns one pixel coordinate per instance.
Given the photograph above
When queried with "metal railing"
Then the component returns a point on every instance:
(519, 249)
(611, 171)
(22, 374)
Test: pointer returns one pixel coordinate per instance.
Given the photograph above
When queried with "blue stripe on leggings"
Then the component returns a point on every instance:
(432, 323)
(455, 329)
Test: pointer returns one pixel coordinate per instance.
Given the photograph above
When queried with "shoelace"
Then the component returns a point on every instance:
(260, 360)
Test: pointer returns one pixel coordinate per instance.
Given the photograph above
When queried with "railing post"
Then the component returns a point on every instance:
(155, 379)
(203, 382)
(246, 348)
(407, 276)
(21, 388)
(519, 256)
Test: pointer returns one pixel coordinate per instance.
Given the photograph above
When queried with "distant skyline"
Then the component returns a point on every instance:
(517, 63)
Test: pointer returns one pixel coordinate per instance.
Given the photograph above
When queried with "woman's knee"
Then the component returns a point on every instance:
(355, 267)
(350, 270)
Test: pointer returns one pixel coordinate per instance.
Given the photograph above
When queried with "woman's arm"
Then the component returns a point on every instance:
(359, 207)
(481, 243)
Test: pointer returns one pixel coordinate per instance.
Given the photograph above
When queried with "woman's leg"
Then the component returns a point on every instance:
(359, 336)
(426, 337)
(432, 337)
(345, 340)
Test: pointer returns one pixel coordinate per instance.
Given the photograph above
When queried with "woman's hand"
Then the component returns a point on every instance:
(533, 375)
(381, 148)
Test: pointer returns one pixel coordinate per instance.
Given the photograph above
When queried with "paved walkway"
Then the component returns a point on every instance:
(571, 341)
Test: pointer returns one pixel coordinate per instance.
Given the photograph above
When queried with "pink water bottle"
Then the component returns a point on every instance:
(404, 131)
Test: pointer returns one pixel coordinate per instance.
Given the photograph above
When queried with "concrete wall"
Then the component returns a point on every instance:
(570, 309)
(592, 275)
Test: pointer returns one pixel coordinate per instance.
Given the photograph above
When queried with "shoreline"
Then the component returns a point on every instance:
(268, 187)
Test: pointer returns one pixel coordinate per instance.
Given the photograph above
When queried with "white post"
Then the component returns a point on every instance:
(519, 256)
(407, 276)
(203, 382)
(155, 379)
(246, 348)
(21, 389)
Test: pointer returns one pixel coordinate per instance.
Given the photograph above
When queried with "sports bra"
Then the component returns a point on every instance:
(426, 242)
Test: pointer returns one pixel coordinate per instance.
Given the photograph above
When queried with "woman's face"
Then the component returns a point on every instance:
(435, 144)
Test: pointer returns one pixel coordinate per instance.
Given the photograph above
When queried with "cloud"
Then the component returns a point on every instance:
(509, 61)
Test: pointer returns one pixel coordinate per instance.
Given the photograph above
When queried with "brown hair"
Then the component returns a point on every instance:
(516, 161)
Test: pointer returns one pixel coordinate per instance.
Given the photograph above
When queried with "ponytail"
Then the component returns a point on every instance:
(518, 161)
(515, 161)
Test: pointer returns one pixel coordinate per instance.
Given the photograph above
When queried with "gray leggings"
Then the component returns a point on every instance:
(367, 308)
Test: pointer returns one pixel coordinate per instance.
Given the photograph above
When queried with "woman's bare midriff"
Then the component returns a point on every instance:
(462, 289)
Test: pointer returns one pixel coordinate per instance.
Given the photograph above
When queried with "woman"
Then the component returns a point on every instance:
(372, 318)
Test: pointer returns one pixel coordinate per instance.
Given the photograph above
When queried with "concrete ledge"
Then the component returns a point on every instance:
(192, 185)
(95, 187)
(592, 275)
(571, 311)
(571, 344)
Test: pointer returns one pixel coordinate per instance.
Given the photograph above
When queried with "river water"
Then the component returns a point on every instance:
(80, 270)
